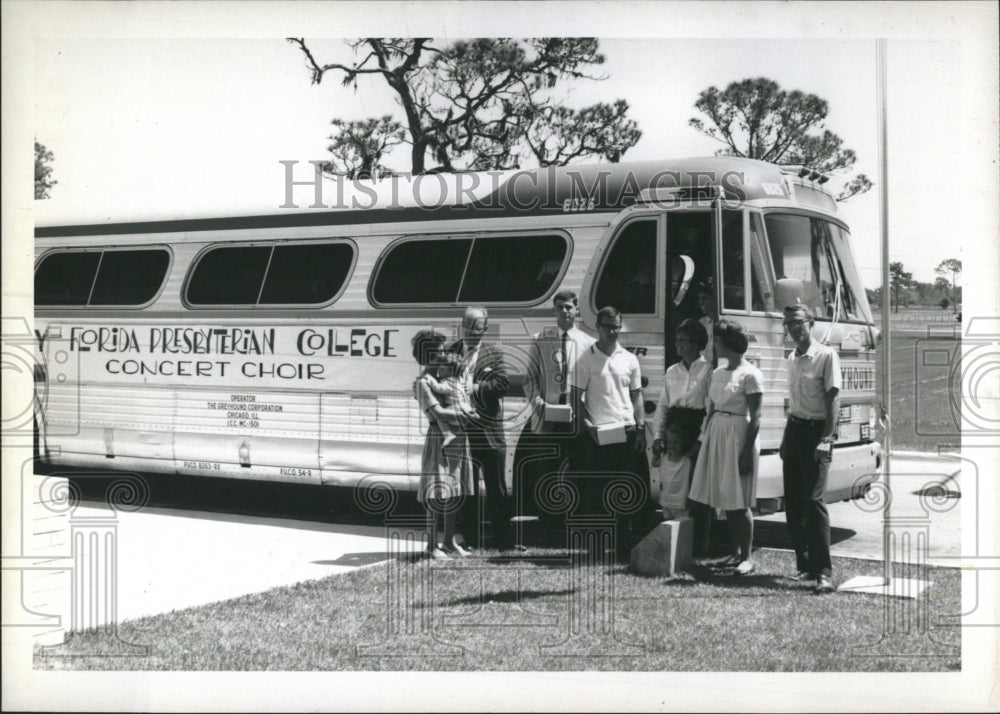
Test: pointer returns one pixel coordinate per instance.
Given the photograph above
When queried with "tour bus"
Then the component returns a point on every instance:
(277, 346)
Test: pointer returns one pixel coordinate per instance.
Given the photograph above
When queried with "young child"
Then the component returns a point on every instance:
(442, 378)
(675, 472)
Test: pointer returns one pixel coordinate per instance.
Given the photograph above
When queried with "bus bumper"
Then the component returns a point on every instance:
(853, 470)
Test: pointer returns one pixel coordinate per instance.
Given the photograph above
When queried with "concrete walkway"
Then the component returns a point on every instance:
(171, 560)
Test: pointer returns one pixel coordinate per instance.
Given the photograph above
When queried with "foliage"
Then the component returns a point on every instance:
(757, 119)
(899, 280)
(359, 147)
(951, 266)
(906, 291)
(43, 171)
(479, 104)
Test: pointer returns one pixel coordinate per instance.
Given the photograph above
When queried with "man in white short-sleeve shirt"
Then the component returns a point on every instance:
(807, 447)
(609, 391)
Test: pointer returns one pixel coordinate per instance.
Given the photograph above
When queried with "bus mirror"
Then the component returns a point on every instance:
(787, 291)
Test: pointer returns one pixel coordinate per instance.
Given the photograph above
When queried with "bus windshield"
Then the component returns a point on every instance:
(816, 252)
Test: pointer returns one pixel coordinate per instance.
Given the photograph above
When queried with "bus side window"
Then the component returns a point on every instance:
(733, 288)
(628, 278)
(127, 277)
(66, 277)
(512, 269)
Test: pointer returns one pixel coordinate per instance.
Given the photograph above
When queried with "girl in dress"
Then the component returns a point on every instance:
(446, 468)
(725, 476)
(675, 471)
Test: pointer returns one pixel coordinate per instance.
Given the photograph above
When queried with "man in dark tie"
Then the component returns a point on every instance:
(545, 443)
(484, 377)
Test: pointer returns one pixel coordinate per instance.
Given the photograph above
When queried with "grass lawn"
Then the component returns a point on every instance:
(924, 393)
(515, 614)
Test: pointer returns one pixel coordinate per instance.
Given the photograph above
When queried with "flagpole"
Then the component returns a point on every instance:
(886, 332)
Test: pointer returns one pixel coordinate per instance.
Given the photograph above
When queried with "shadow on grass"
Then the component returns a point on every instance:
(505, 596)
(552, 561)
(937, 491)
(774, 534)
(368, 558)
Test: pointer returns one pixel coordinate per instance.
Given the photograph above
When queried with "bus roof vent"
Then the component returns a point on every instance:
(660, 195)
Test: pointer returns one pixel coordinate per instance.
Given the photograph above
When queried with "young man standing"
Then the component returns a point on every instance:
(545, 444)
(611, 383)
(806, 448)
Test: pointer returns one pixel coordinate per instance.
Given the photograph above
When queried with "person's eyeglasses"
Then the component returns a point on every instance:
(794, 323)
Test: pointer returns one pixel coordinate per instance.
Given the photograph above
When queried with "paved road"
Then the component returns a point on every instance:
(925, 498)
(246, 538)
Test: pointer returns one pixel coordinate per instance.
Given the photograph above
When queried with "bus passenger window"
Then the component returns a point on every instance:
(66, 278)
(421, 271)
(628, 280)
(119, 277)
(129, 277)
(484, 269)
(307, 273)
(230, 275)
(512, 268)
(282, 274)
(733, 288)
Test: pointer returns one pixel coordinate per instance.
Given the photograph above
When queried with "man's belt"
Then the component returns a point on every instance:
(804, 422)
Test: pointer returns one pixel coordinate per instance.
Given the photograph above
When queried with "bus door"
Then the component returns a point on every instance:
(690, 259)
(650, 266)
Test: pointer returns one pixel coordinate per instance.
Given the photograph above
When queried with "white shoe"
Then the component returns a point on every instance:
(745, 568)
(455, 549)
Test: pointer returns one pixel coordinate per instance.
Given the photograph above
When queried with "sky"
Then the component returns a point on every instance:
(138, 123)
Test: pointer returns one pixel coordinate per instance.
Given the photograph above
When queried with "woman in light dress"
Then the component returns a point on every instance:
(446, 467)
(725, 476)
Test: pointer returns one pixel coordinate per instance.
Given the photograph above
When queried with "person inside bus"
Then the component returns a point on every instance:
(546, 442)
(446, 472)
(725, 476)
(706, 306)
(484, 377)
(608, 392)
(814, 382)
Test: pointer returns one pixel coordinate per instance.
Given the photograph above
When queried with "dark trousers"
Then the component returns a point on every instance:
(595, 470)
(540, 462)
(492, 461)
(805, 482)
